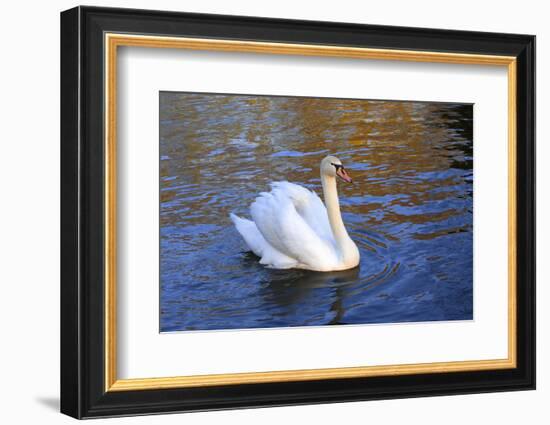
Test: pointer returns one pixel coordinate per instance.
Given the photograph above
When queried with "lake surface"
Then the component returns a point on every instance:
(409, 210)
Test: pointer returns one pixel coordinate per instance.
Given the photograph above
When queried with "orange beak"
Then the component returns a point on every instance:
(343, 174)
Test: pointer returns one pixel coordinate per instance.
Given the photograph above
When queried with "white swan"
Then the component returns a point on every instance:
(291, 227)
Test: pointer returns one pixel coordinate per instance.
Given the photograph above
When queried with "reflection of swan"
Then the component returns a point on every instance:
(311, 279)
(294, 290)
(293, 229)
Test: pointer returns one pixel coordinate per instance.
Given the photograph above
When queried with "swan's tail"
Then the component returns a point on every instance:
(250, 234)
(269, 256)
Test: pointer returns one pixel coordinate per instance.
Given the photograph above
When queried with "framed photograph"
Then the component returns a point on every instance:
(261, 212)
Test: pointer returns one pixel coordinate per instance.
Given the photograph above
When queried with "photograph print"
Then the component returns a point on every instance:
(281, 211)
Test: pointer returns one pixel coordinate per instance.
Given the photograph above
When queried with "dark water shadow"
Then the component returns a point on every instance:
(290, 288)
(306, 280)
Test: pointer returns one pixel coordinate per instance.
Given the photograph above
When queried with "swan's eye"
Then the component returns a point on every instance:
(337, 166)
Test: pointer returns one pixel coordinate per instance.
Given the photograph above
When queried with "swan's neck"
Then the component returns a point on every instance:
(344, 244)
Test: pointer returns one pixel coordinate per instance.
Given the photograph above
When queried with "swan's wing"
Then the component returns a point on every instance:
(281, 225)
(259, 246)
(309, 206)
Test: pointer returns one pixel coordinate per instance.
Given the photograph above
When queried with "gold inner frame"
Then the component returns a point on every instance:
(113, 41)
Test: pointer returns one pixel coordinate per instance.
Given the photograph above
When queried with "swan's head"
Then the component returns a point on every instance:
(332, 167)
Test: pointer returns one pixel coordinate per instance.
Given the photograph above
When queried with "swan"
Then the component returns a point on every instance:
(292, 228)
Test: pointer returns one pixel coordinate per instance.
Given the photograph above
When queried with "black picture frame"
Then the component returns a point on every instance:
(83, 392)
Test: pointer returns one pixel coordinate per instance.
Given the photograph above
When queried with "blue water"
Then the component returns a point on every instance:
(409, 210)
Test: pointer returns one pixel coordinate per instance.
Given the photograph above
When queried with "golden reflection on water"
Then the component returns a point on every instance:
(412, 167)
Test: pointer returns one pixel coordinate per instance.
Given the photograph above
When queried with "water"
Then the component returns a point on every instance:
(409, 209)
